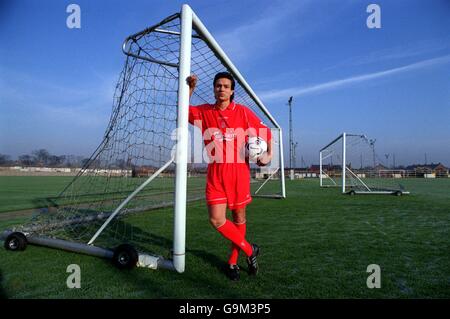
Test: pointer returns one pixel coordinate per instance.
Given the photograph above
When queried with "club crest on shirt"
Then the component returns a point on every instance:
(229, 135)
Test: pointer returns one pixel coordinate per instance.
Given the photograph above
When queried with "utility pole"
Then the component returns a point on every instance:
(426, 162)
(372, 144)
(394, 160)
(294, 157)
(290, 132)
(291, 142)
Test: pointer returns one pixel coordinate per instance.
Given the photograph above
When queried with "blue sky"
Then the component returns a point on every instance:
(392, 83)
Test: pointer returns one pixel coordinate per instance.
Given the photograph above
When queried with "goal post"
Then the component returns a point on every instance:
(349, 162)
(131, 196)
(182, 138)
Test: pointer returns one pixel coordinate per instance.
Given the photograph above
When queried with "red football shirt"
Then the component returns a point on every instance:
(226, 131)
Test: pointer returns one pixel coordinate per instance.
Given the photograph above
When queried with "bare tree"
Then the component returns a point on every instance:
(120, 163)
(26, 160)
(42, 156)
(5, 159)
(54, 161)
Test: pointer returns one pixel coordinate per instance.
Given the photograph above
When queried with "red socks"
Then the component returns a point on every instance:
(231, 232)
(234, 248)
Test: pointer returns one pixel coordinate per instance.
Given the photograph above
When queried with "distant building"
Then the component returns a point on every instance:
(438, 170)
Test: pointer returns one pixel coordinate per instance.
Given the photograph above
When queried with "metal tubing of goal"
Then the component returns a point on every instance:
(179, 240)
(71, 246)
(269, 178)
(130, 197)
(142, 33)
(64, 245)
(331, 143)
(359, 179)
(344, 161)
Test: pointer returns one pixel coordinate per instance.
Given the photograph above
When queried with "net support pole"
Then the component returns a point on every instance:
(127, 200)
(179, 242)
(344, 161)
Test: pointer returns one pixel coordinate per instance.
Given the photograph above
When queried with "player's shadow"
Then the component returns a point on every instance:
(209, 258)
(141, 240)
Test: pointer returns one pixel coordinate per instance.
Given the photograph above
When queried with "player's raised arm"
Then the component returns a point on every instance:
(194, 112)
(192, 82)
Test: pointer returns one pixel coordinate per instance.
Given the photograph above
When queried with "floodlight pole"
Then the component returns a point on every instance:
(291, 142)
(294, 157)
(372, 144)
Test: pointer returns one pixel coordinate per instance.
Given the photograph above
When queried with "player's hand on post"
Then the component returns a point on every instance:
(191, 80)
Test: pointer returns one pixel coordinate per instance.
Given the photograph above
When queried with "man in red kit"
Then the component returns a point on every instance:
(226, 126)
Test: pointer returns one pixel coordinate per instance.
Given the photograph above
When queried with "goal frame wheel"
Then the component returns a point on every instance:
(16, 241)
(125, 257)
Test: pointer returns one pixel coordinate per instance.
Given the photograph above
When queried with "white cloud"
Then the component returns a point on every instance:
(265, 32)
(317, 88)
(84, 104)
(398, 52)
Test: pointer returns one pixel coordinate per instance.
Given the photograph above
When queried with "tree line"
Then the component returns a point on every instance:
(43, 158)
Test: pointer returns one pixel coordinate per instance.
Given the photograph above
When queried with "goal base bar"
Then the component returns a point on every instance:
(269, 196)
(144, 260)
(376, 192)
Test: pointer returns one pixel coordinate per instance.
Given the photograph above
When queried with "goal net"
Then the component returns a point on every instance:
(350, 163)
(135, 187)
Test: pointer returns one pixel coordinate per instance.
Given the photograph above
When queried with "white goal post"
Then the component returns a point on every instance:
(349, 162)
(139, 165)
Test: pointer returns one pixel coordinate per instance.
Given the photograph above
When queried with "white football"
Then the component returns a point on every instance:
(255, 147)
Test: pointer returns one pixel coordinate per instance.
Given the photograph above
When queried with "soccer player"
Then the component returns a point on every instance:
(226, 126)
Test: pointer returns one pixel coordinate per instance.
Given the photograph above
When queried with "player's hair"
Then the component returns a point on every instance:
(225, 75)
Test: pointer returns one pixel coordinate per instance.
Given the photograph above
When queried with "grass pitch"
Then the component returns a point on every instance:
(316, 243)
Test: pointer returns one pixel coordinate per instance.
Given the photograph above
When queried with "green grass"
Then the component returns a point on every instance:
(24, 192)
(27, 192)
(316, 243)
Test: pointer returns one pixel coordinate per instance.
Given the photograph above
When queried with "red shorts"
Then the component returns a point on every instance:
(228, 183)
